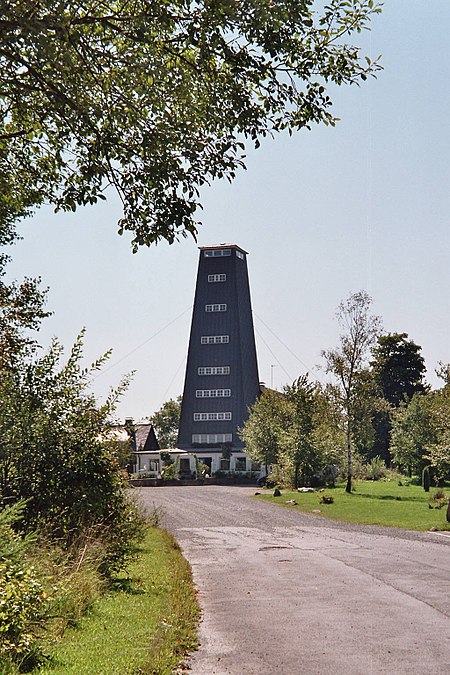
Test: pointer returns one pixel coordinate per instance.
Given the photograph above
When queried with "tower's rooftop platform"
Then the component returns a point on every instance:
(217, 246)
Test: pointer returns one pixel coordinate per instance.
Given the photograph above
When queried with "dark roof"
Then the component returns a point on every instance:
(145, 437)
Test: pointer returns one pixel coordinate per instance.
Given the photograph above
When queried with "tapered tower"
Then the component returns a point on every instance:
(222, 373)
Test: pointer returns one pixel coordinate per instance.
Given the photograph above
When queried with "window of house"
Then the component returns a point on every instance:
(240, 255)
(212, 393)
(214, 370)
(224, 464)
(241, 464)
(214, 339)
(185, 465)
(213, 278)
(211, 416)
(216, 308)
(255, 466)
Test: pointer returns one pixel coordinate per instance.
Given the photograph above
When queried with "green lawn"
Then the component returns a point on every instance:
(373, 503)
(145, 625)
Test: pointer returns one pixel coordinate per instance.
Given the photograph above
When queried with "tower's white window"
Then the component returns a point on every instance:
(214, 339)
(218, 253)
(212, 393)
(213, 370)
(211, 416)
(216, 308)
(213, 278)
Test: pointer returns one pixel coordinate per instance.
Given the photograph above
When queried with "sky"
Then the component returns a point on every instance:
(328, 212)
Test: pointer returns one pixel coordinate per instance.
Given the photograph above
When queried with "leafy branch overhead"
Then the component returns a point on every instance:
(157, 98)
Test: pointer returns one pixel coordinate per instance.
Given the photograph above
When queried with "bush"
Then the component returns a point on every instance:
(327, 476)
(22, 596)
(169, 472)
(44, 586)
(22, 602)
(375, 469)
(279, 476)
(438, 500)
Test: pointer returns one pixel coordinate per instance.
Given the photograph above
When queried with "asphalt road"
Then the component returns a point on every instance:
(291, 593)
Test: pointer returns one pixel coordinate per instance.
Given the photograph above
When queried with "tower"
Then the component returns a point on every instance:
(221, 374)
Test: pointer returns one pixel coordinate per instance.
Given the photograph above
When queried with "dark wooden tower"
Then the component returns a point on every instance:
(222, 373)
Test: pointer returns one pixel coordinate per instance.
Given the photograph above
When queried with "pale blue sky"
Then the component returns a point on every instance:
(362, 206)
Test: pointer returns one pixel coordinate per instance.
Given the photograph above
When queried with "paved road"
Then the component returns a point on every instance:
(292, 594)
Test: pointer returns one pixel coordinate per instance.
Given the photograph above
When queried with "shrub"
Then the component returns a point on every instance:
(278, 476)
(375, 469)
(438, 500)
(327, 476)
(22, 596)
(169, 471)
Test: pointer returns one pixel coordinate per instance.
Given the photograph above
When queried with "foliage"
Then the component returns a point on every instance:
(166, 422)
(437, 446)
(262, 429)
(412, 432)
(22, 595)
(146, 622)
(203, 470)
(438, 500)
(21, 309)
(298, 454)
(169, 471)
(370, 411)
(166, 457)
(55, 453)
(398, 368)
(156, 99)
(295, 432)
(347, 361)
(326, 499)
(375, 469)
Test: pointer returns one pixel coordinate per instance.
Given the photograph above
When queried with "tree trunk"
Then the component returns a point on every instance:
(297, 467)
(348, 487)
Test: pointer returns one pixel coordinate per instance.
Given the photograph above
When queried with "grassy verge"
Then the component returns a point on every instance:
(144, 624)
(373, 503)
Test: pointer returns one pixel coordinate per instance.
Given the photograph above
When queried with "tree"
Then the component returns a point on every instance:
(59, 458)
(166, 422)
(411, 433)
(437, 452)
(21, 310)
(293, 430)
(347, 362)
(398, 370)
(421, 431)
(156, 99)
(298, 452)
(262, 428)
(398, 367)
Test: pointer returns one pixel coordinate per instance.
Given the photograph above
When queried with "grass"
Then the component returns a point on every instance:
(146, 622)
(373, 503)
